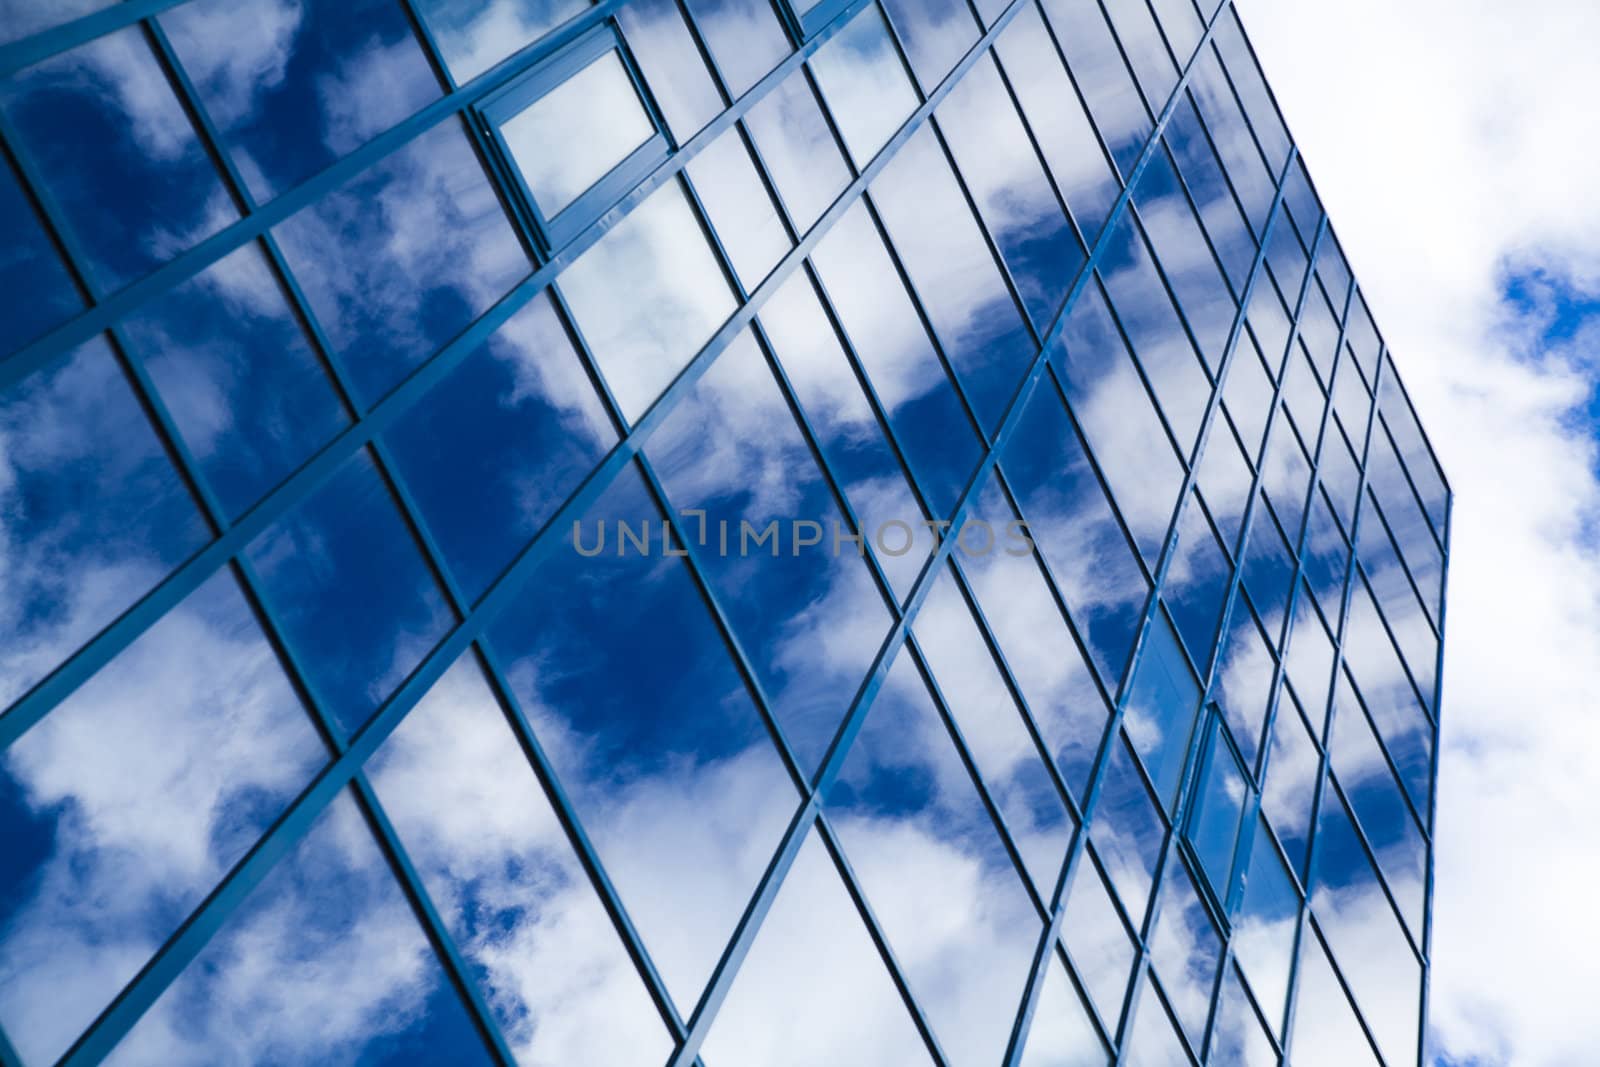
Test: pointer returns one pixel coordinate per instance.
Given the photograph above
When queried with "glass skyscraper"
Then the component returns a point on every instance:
(737, 532)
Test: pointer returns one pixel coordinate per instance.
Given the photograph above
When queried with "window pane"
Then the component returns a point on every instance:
(1097, 941)
(1223, 479)
(1252, 90)
(1220, 797)
(386, 300)
(1127, 833)
(1326, 1032)
(1291, 781)
(739, 208)
(1236, 1035)
(128, 802)
(1163, 700)
(1325, 556)
(798, 149)
(118, 154)
(909, 818)
(809, 614)
(1186, 260)
(351, 592)
(1309, 661)
(628, 685)
(954, 274)
(1196, 585)
(94, 520)
(1153, 1042)
(1220, 214)
(744, 37)
(671, 64)
(1265, 924)
(474, 35)
(1268, 571)
(574, 135)
(1185, 950)
(40, 292)
(498, 867)
(1061, 1034)
(292, 88)
(935, 35)
(27, 17)
(238, 377)
(1237, 148)
(864, 84)
(324, 961)
(647, 296)
(1390, 698)
(813, 989)
(1243, 679)
(1096, 63)
(1146, 51)
(494, 448)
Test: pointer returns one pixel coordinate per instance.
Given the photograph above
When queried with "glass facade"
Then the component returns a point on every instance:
(725, 532)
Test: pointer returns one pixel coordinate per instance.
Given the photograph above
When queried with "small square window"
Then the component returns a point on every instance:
(578, 134)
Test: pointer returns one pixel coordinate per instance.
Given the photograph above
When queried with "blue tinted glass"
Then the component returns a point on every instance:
(1119, 420)
(1057, 120)
(1223, 478)
(1045, 661)
(386, 300)
(27, 17)
(237, 375)
(1219, 801)
(1147, 53)
(1309, 660)
(1264, 926)
(904, 808)
(1196, 585)
(798, 149)
(1243, 678)
(351, 592)
(1152, 1041)
(93, 520)
(324, 962)
(1185, 949)
(1326, 1031)
(1015, 198)
(1236, 1035)
(848, 432)
(1252, 90)
(124, 806)
(40, 292)
(1190, 145)
(744, 37)
(1247, 390)
(295, 86)
(118, 154)
(1096, 64)
(922, 406)
(813, 989)
(474, 35)
(864, 84)
(1303, 396)
(1285, 476)
(1325, 556)
(954, 274)
(671, 63)
(1073, 524)
(802, 601)
(628, 685)
(1401, 422)
(480, 832)
(1268, 572)
(1181, 25)
(1061, 1034)
(1291, 780)
(991, 724)
(739, 208)
(1340, 477)
(1214, 98)
(1127, 832)
(646, 297)
(1163, 700)
(1389, 695)
(935, 35)
(495, 448)
(1097, 940)
(1190, 268)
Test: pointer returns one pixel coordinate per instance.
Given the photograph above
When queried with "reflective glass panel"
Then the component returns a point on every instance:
(1390, 698)
(1096, 63)
(1163, 701)
(1190, 144)
(739, 208)
(864, 83)
(1152, 1042)
(1097, 940)
(1236, 1034)
(1291, 781)
(935, 35)
(1243, 679)
(1220, 797)
(41, 293)
(1196, 585)
(474, 35)
(1127, 833)
(671, 63)
(1264, 926)
(744, 37)
(1061, 1034)
(1185, 950)
(1326, 1031)
(798, 149)
(1186, 259)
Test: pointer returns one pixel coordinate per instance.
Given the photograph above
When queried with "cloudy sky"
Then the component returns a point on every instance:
(1454, 142)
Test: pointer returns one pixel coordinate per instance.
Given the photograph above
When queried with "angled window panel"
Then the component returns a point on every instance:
(1362, 337)
(1243, 678)
(1039, 649)
(349, 589)
(1072, 522)
(294, 87)
(1230, 133)
(1364, 934)
(814, 988)
(237, 374)
(323, 961)
(932, 867)
(745, 38)
(1319, 331)
(386, 301)
(1061, 1034)
(954, 274)
(1391, 584)
(1381, 678)
(1333, 270)
(671, 64)
(1152, 1040)
(798, 149)
(41, 293)
(1268, 571)
(1412, 446)
(500, 442)
(1127, 832)
(1268, 319)
(1146, 51)
(1326, 1030)
(1163, 703)
(1097, 940)
(1309, 660)
(1286, 264)
(848, 432)
(1120, 420)
(1252, 89)
(1247, 390)
(646, 297)
(1303, 395)
(990, 722)
(1190, 144)
(1289, 788)
(477, 826)
(1185, 950)
(1092, 55)
(1340, 476)
(1223, 478)
(1221, 798)
(1236, 1033)
(35, 16)
(1286, 475)
(803, 601)
(94, 520)
(628, 686)
(1196, 585)
(1404, 521)
(1015, 198)
(1352, 402)
(739, 208)
(1182, 26)
(117, 153)
(112, 835)
(474, 35)
(864, 83)
(1300, 202)
(1325, 556)
(1264, 926)
(884, 329)
(577, 132)
(935, 35)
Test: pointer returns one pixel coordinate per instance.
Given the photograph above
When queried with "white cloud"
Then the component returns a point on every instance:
(1454, 142)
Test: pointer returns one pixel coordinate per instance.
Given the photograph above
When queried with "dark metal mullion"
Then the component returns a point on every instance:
(55, 233)
(16, 55)
(1315, 927)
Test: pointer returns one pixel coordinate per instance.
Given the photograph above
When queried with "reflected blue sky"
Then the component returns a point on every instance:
(485, 439)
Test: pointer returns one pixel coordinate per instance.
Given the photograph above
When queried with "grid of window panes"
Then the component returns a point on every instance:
(331, 325)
